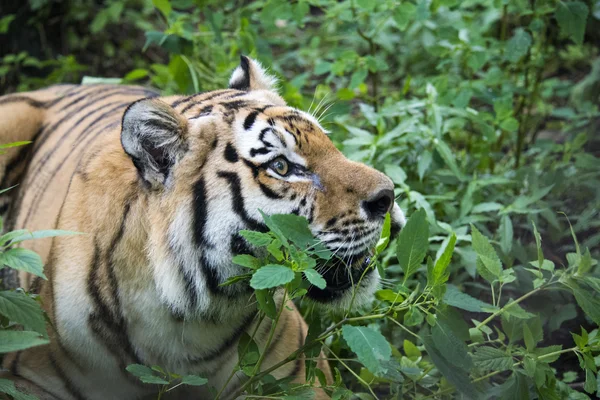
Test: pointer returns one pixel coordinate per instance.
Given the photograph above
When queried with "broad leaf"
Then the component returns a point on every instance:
(450, 346)
(491, 359)
(145, 374)
(266, 303)
(518, 45)
(20, 340)
(23, 260)
(454, 297)
(572, 18)
(369, 345)
(488, 260)
(439, 274)
(193, 380)
(506, 234)
(270, 276)
(413, 243)
(8, 387)
(22, 309)
(246, 260)
(315, 278)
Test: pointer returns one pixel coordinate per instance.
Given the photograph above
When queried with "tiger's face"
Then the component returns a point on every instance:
(242, 150)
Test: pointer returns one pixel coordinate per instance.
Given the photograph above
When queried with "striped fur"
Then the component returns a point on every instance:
(161, 188)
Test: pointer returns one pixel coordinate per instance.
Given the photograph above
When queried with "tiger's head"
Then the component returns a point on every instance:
(211, 161)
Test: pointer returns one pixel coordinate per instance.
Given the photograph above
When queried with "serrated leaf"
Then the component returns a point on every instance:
(22, 309)
(457, 377)
(369, 345)
(413, 243)
(270, 276)
(572, 18)
(259, 239)
(450, 346)
(246, 260)
(528, 338)
(515, 310)
(413, 317)
(403, 13)
(315, 278)
(23, 260)
(423, 164)
(491, 359)
(411, 351)
(454, 297)
(439, 274)
(20, 340)
(518, 45)
(489, 261)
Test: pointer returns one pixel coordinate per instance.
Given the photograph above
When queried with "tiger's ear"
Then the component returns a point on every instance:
(250, 75)
(153, 135)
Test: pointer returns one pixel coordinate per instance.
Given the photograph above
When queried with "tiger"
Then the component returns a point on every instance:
(160, 188)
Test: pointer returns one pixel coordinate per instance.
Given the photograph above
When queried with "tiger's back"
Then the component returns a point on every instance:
(63, 122)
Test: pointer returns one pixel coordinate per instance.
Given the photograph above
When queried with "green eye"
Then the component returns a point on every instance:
(281, 166)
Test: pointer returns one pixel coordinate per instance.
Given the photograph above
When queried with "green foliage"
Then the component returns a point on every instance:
(484, 115)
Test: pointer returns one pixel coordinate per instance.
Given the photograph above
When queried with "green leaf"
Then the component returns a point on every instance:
(23, 260)
(27, 235)
(20, 340)
(8, 387)
(369, 345)
(450, 346)
(145, 374)
(271, 275)
(384, 239)
(315, 278)
(295, 228)
(491, 359)
(424, 162)
(590, 382)
(259, 239)
(572, 18)
(22, 309)
(456, 376)
(389, 296)
(488, 260)
(538, 244)
(193, 380)
(506, 234)
(164, 6)
(411, 350)
(413, 243)
(514, 310)
(266, 303)
(403, 13)
(439, 274)
(5, 22)
(589, 301)
(246, 260)
(274, 248)
(136, 74)
(413, 317)
(454, 297)
(448, 157)
(528, 337)
(518, 45)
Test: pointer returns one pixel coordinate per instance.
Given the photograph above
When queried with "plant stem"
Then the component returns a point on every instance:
(361, 380)
(404, 328)
(512, 303)
(491, 374)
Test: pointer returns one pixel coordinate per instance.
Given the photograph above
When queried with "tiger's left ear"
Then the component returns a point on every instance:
(153, 135)
(250, 75)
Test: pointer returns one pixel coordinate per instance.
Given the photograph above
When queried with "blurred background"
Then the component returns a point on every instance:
(482, 112)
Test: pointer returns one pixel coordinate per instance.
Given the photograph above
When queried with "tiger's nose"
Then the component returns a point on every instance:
(379, 204)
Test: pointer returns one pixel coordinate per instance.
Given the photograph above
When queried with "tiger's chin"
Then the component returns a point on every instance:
(348, 285)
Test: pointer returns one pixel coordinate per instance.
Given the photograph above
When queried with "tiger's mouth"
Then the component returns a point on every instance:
(341, 275)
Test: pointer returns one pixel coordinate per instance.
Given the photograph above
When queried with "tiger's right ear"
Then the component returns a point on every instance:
(153, 135)
(250, 75)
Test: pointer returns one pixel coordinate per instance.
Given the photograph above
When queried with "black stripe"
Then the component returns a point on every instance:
(212, 279)
(268, 192)
(108, 323)
(244, 82)
(208, 96)
(200, 215)
(261, 137)
(235, 105)
(237, 200)
(14, 365)
(262, 150)
(249, 121)
(69, 385)
(24, 99)
(239, 245)
(230, 153)
(227, 343)
(204, 111)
